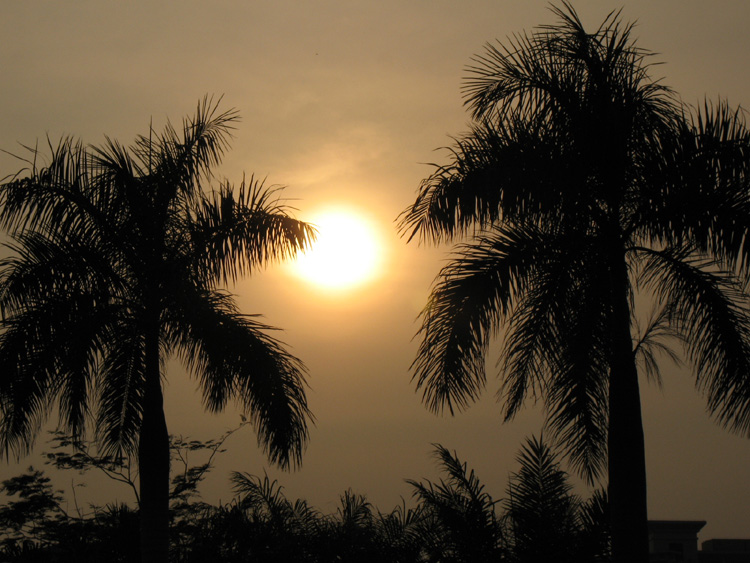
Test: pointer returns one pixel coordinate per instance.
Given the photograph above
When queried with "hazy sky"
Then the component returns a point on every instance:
(344, 102)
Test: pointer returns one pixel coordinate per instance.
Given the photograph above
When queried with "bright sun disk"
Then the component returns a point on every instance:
(345, 254)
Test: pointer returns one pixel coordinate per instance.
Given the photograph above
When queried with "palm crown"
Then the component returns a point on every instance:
(119, 260)
(577, 159)
(581, 182)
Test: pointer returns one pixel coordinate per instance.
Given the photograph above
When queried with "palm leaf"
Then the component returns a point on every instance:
(235, 232)
(711, 314)
(233, 356)
(472, 294)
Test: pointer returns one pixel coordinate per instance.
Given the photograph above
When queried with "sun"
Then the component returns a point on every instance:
(346, 254)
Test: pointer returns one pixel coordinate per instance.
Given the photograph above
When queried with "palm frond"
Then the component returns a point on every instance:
(56, 196)
(699, 175)
(235, 232)
(460, 520)
(206, 136)
(653, 341)
(181, 159)
(234, 357)
(460, 491)
(536, 330)
(120, 386)
(540, 482)
(48, 352)
(472, 294)
(56, 310)
(540, 511)
(402, 526)
(575, 360)
(519, 169)
(711, 314)
(561, 68)
(262, 495)
(355, 510)
(576, 403)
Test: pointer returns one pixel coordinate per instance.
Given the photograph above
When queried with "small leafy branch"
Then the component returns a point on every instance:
(81, 456)
(38, 504)
(185, 482)
(33, 519)
(70, 453)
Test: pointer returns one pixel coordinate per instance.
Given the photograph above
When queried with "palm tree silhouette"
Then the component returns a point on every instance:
(542, 520)
(118, 261)
(582, 182)
(460, 519)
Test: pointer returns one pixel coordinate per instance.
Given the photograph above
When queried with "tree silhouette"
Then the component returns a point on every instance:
(464, 526)
(118, 262)
(543, 520)
(278, 529)
(540, 519)
(455, 520)
(581, 182)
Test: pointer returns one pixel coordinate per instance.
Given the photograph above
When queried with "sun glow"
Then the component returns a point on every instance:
(347, 251)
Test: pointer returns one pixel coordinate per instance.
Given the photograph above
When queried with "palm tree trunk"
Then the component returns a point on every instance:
(153, 459)
(626, 448)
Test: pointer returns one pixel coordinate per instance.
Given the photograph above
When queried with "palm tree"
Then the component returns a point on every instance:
(582, 182)
(118, 261)
(399, 534)
(460, 522)
(543, 520)
(282, 530)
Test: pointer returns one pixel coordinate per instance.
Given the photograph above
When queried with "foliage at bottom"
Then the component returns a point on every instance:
(454, 520)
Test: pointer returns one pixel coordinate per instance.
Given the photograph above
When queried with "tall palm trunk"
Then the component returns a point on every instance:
(626, 449)
(153, 457)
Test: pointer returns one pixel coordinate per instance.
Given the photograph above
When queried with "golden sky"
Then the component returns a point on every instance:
(343, 101)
